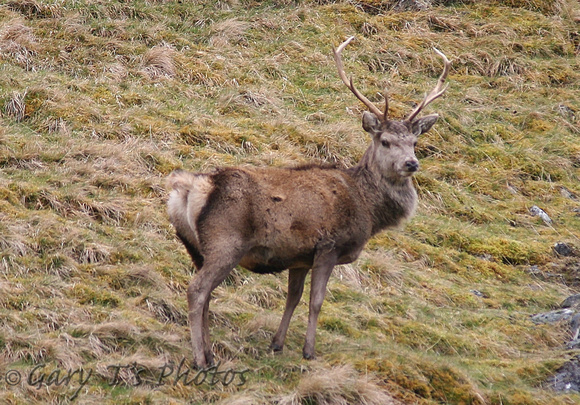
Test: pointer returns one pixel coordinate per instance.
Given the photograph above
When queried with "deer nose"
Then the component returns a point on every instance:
(412, 165)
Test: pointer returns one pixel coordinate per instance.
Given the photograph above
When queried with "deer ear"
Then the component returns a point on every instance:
(424, 124)
(371, 123)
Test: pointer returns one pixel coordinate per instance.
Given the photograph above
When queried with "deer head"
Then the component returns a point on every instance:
(393, 147)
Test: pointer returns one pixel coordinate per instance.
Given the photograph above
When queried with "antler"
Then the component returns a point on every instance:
(373, 108)
(437, 91)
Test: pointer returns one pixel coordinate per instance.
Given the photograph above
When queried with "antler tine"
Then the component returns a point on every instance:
(437, 91)
(373, 108)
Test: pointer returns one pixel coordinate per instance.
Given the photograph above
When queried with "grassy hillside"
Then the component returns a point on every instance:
(100, 100)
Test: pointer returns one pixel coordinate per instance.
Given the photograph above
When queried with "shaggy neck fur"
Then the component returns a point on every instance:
(390, 197)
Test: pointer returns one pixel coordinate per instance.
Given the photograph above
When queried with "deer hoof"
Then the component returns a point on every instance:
(308, 356)
(276, 348)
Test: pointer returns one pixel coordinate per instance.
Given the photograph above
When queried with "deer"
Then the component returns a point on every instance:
(309, 217)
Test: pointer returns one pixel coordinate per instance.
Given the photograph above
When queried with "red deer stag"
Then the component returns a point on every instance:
(271, 219)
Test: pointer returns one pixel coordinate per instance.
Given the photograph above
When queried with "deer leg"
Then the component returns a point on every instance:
(199, 291)
(206, 338)
(295, 288)
(320, 274)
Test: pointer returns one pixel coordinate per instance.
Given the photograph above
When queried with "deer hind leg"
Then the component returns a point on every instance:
(206, 337)
(213, 272)
(321, 271)
(295, 288)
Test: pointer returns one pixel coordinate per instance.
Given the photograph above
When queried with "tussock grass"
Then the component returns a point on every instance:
(100, 100)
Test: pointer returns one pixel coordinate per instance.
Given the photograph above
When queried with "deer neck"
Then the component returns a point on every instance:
(390, 199)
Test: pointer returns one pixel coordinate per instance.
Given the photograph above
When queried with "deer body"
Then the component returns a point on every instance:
(272, 219)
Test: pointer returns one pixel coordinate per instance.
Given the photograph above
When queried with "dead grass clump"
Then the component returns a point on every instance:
(35, 9)
(338, 386)
(22, 106)
(263, 297)
(75, 205)
(117, 72)
(91, 253)
(228, 32)
(507, 66)
(15, 244)
(165, 310)
(141, 276)
(202, 72)
(485, 64)
(15, 106)
(112, 333)
(547, 7)
(159, 62)
(380, 6)
(26, 348)
(111, 29)
(240, 102)
(137, 370)
(349, 274)
(106, 212)
(16, 32)
(55, 126)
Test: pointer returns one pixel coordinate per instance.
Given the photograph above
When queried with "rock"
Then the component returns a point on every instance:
(553, 316)
(571, 302)
(563, 249)
(537, 211)
(478, 293)
(533, 270)
(570, 312)
(567, 193)
(575, 327)
(567, 377)
(543, 275)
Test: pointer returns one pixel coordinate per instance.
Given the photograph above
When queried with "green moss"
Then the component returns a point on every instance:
(333, 324)
(510, 252)
(88, 295)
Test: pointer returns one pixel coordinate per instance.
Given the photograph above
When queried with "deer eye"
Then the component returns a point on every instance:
(386, 144)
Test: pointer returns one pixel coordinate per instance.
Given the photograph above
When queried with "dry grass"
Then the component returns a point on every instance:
(159, 62)
(338, 386)
(228, 32)
(100, 100)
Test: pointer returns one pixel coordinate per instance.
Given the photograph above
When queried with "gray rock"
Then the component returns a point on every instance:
(572, 301)
(567, 377)
(479, 293)
(567, 193)
(534, 270)
(553, 316)
(575, 326)
(563, 249)
(537, 211)
(573, 344)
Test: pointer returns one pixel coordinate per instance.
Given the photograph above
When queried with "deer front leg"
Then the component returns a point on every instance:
(320, 274)
(295, 288)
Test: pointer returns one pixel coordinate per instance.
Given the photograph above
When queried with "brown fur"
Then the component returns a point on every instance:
(272, 219)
